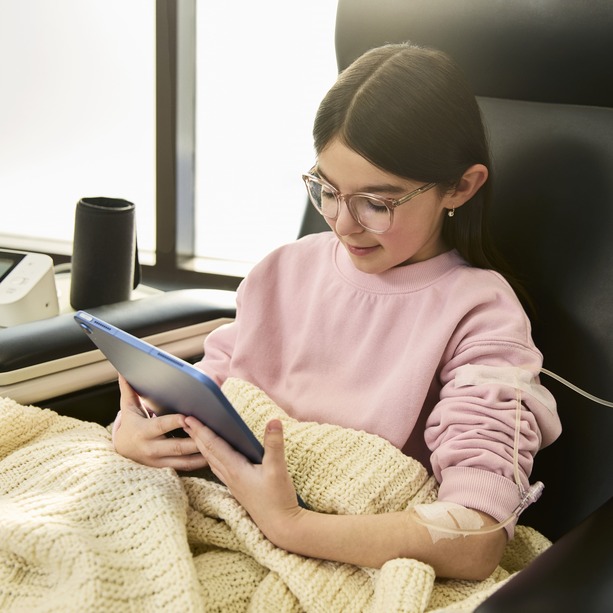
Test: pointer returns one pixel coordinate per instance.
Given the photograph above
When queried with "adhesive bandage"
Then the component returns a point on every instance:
(447, 520)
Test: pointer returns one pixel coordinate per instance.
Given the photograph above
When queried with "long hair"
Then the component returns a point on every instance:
(410, 111)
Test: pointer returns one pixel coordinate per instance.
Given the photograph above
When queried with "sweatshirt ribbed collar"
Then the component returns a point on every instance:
(399, 280)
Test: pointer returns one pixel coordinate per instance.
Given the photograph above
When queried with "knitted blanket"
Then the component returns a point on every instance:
(84, 529)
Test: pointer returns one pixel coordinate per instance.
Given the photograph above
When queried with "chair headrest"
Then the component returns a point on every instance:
(554, 51)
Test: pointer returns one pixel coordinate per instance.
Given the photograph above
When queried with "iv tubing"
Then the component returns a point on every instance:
(534, 491)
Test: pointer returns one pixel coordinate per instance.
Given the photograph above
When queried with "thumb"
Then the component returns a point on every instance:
(274, 446)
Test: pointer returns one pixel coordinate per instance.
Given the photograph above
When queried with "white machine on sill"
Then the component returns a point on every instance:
(27, 288)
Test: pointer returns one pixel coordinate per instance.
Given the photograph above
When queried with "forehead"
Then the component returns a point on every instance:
(349, 172)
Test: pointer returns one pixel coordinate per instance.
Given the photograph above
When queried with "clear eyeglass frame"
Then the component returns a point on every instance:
(359, 202)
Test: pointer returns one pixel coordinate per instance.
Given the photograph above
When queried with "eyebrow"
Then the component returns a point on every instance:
(388, 188)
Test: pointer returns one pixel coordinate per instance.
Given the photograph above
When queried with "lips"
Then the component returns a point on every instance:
(360, 251)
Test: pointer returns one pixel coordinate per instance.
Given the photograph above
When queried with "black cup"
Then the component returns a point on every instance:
(105, 266)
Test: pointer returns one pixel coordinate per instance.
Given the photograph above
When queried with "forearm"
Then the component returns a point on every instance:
(372, 540)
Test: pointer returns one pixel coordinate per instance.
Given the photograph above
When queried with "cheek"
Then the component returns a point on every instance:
(412, 234)
(422, 221)
(402, 231)
(397, 242)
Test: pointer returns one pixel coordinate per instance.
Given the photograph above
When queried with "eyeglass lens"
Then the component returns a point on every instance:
(368, 212)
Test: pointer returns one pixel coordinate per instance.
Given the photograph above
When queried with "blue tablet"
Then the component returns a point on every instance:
(168, 384)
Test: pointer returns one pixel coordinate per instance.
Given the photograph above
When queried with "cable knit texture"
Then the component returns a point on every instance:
(84, 529)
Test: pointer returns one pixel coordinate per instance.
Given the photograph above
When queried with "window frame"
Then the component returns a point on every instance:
(175, 263)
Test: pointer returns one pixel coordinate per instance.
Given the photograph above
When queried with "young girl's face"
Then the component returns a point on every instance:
(415, 234)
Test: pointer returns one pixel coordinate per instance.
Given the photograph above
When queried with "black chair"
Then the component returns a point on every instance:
(543, 74)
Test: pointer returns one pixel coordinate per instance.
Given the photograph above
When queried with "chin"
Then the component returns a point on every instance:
(371, 268)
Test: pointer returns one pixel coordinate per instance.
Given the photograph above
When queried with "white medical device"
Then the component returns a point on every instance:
(27, 288)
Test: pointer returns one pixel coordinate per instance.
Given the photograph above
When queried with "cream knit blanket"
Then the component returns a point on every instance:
(84, 529)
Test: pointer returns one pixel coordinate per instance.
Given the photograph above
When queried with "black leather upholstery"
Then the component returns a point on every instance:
(541, 50)
(553, 215)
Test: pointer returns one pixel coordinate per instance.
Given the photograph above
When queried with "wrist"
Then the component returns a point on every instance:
(285, 530)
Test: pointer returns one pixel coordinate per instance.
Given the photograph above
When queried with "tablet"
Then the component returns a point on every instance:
(168, 384)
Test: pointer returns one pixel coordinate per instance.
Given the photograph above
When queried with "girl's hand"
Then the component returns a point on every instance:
(264, 490)
(144, 439)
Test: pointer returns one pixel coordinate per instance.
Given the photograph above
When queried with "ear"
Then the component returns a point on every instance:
(474, 177)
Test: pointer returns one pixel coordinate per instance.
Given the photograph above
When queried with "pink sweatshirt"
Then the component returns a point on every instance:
(428, 356)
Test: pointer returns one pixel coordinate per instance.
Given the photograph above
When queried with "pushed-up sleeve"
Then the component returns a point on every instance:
(492, 418)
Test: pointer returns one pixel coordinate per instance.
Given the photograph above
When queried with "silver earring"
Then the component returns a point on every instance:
(451, 212)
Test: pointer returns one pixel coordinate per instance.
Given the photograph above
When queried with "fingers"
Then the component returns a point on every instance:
(156, 430)
(204, 437)
(156, 427)
(213, 446)
(129, 398)
(224, 460)
(177, 453)
(145, 440)
(221, 457)
(124, 386)
(130, 402)
(171, 446)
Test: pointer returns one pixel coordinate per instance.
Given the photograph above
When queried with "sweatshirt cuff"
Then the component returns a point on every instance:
(481, 490)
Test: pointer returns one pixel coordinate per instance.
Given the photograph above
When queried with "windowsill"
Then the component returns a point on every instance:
(228, 268)
(233, 269)
(38, 245)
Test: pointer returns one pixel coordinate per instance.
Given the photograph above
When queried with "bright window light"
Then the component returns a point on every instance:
(77, 112)
(262, 69)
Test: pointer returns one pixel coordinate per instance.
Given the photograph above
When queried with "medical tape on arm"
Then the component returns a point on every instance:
(512, 376)
(448, 519)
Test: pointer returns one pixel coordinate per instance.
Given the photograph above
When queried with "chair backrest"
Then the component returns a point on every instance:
(543, 74)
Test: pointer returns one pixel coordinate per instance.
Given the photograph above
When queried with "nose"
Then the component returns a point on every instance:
(345, 224)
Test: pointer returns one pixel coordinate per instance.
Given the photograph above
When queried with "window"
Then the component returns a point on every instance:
(260, 75)
(77, 114)
(80, 110)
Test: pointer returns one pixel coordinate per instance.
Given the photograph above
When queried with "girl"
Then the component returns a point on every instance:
(396, 323)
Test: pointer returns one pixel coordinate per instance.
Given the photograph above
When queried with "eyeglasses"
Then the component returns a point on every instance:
(373, 213)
